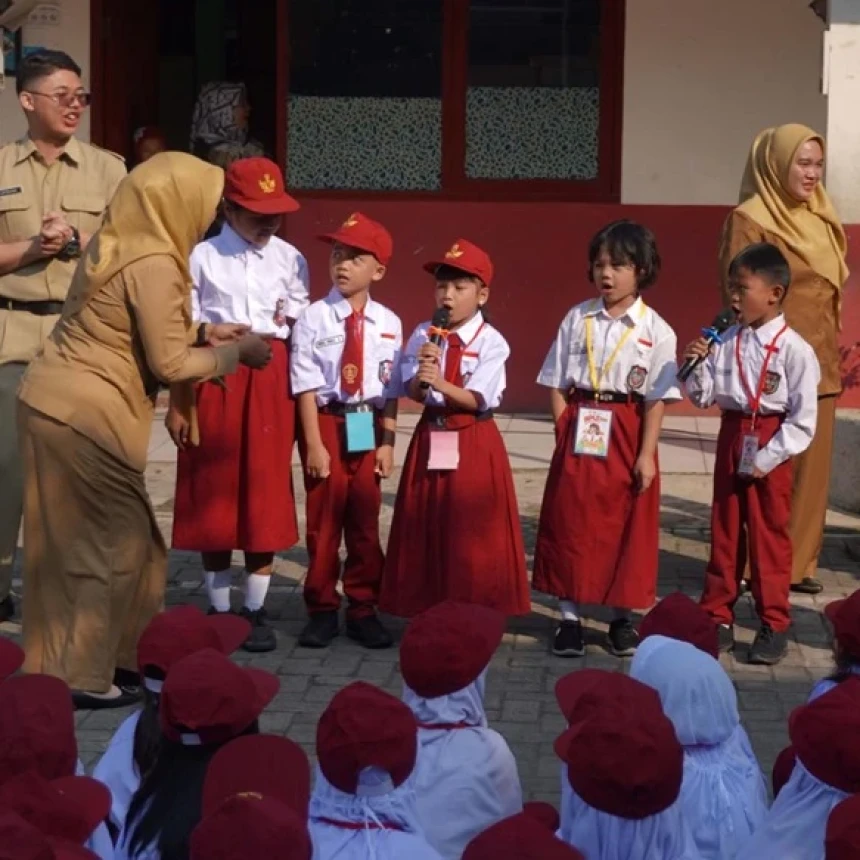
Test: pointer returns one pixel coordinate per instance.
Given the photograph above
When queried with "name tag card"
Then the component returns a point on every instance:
(444, 451)
(593, 432)
(360, 432)
(749, 449)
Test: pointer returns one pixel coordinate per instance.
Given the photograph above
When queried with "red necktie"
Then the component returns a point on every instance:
(452, 359)
(353, 354)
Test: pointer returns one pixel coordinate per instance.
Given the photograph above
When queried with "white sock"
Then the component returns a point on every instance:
(621, 614)
(218, 587)
(256, 589)
(568, 610)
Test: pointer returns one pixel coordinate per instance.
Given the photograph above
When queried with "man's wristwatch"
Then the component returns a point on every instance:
(72, 248)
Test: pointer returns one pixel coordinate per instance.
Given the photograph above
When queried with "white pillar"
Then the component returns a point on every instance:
(842, 85)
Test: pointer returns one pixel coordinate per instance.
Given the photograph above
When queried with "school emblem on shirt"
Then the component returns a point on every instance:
(385, 371)
(280, 317)
(351, 221)
(771, 382)
(267, 184)
(454, 253)
(349, 372)
(636, 377)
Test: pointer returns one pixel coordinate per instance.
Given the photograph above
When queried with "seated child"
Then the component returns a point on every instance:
(519, 837)
(680, 617)
(842, 839)
(844, 616)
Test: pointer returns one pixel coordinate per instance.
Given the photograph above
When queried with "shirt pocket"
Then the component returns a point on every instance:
(84, 211)
(468, 365)
(18, 217)
(638, 375)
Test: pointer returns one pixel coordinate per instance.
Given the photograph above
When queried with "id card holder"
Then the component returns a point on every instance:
(749, 449)
(360, 431)
(593, 432)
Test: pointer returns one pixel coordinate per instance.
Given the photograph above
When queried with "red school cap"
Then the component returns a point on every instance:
(359, 231)
(520, 837)
(844, 615)
(783, 768)
(207, 699)
(585, 691)
(365, 727)
(446, 647)
(264, 765)
(37, 727)
(181, 631)
(678, 616)
(842, 837)
(251, 826)
(11, 658)
(21, 841)
(468, 258)
(257, 184)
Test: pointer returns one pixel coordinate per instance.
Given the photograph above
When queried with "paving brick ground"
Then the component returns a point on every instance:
(520, 701)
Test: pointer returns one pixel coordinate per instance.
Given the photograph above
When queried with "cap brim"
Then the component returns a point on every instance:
(280, 205)
(267, 685)
(231, 630)
(832, 608)
(433, 265)
(91, 799)
(11, 658)
(348, 241)
(562, 743)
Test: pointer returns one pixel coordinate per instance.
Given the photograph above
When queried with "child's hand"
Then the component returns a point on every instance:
(699, 348)
(428, 371)
(384, 461)
(644, 472)
(757, 473)
(318, 462)
(430, 352)
(178, 427)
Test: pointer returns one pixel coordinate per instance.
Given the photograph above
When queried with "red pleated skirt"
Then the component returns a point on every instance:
(235, 491)
(456, 535)
(598, 540)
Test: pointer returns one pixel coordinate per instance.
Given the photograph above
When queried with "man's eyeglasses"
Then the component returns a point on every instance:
(66, 99)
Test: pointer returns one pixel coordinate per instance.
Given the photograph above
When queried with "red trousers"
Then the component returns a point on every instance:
(344, 505)
(763, 506)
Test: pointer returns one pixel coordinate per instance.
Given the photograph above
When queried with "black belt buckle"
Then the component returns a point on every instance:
(440, 422)
(604, 396)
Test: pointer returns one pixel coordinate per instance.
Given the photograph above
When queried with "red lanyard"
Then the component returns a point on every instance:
(446, 727)
(354, 825)
(471, 341)
(769, 350)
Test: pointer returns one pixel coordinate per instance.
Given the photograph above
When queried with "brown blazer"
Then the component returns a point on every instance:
(99, 371)
(812, 307)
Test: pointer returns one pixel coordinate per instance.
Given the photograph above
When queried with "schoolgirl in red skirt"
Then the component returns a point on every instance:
(611, 369)
(235, 490)
(456, 530)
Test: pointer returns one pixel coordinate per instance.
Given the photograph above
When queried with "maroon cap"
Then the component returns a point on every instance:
(251, 826)
(584, 691)
(21, 841)
(842, 838)
(468, 258)
(37, 727)
(364, 727)
(207, 699)
(69, 808)
(844, 615)
(680, 617)
(181, 631)
(544, 813)
(446, 647)
(783, 768)
(11, 657)
(257, 184)
(359, 231)
(259, 764)
(520, 837)
(624, 761)
(825, 735)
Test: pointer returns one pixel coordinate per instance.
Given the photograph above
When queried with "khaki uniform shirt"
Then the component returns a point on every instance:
(812, 306)
(80, 184)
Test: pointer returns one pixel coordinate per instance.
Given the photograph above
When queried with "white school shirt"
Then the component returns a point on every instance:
(482, 365)
(236, 282)
(319, 336)
(645, 364)
(791, 386)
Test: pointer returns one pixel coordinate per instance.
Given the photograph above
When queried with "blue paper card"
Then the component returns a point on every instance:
(360, 432)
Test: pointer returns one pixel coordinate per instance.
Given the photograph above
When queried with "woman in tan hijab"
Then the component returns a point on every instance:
(95, 562)
(782, 201)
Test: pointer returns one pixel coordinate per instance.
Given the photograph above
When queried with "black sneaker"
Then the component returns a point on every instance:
(769, 647)
(726, 637)
(7, 608)
(622, 637)
(320, 630)
(262, 637)
(808, 585)
(369, 632)
(569, 641)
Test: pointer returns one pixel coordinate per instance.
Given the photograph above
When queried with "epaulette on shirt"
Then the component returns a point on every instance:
(109, 152)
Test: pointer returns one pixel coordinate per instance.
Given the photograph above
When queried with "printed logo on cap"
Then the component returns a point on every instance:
(351, 221)
(267, 184)
(455, 252)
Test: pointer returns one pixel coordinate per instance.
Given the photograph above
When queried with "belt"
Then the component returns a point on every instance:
(338, 409)
(739, 415)
(444, 420)
(582, 395)
(40, 308)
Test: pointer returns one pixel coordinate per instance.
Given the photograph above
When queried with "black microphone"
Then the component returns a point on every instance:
(438, 326)
(724, 319)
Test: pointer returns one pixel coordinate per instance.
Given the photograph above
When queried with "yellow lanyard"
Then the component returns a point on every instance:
(596, 378)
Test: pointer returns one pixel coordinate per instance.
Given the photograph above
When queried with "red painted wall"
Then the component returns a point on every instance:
(539, 252)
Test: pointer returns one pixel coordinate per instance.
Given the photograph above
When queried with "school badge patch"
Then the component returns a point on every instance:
(771, 382)
(636, 377)
(385, 371)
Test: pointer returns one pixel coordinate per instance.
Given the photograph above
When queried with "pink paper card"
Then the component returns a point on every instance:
(444, 451)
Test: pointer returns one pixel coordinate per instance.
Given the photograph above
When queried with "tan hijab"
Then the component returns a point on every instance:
(164, 206)
(812, 229)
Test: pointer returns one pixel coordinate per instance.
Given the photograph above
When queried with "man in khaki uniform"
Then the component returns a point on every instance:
(54, 190)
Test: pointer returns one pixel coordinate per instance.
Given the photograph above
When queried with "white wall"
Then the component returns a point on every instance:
(74, 39)
(701, 79)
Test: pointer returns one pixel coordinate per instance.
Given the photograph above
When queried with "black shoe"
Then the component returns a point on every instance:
(84, 701)
(769, 647)
(808, 585)
(213, 611)
(7, 609)
(369, 632)
(128, 679)
(320, 630)
(569, 641)
(262, 637)
(622, 638)
(725, 637)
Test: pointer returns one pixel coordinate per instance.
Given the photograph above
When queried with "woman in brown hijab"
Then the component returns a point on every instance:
(783, 202)
(95, 562)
